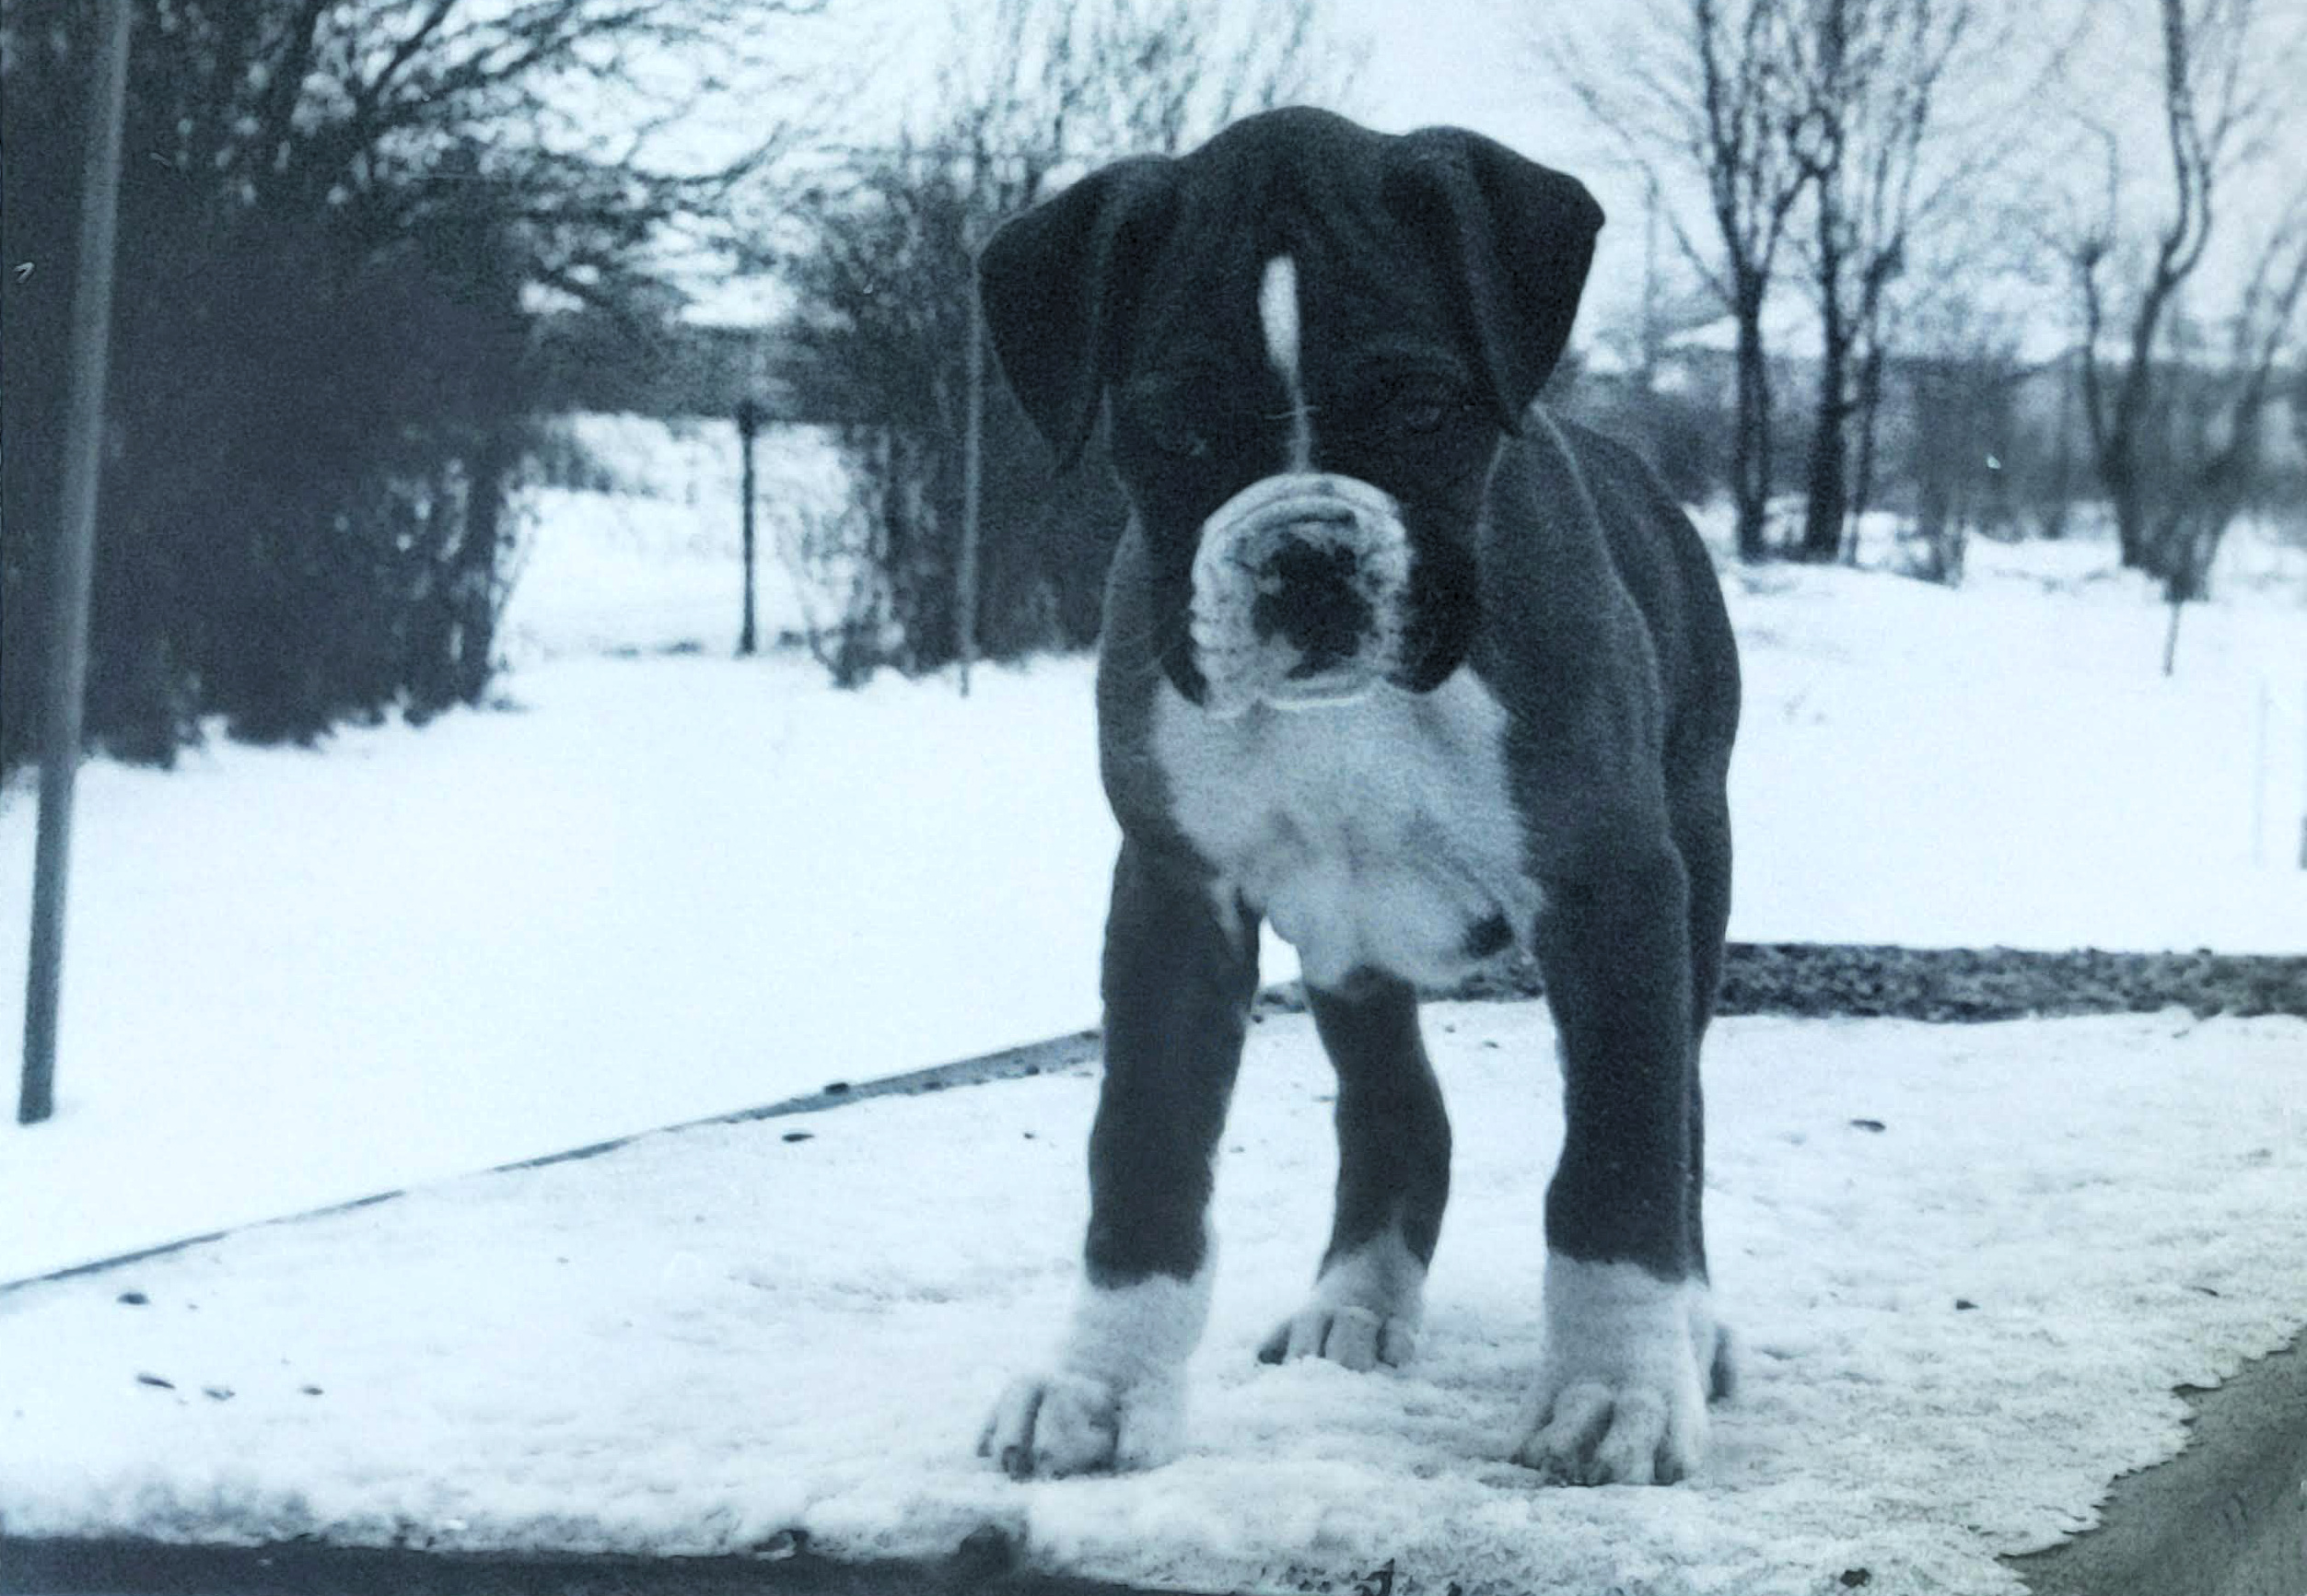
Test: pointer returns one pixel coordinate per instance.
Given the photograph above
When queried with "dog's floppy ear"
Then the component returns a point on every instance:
(1060, 288)
(1518, 238)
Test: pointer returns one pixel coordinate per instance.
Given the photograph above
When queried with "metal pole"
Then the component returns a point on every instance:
(75, 562)
(748, 424)
(972, 485)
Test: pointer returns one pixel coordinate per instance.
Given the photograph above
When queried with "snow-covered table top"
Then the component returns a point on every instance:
(1957, 1327)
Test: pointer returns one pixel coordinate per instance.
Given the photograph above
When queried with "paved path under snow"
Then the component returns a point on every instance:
(1960, 1327)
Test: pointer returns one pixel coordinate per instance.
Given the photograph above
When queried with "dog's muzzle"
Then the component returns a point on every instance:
(1298, 588)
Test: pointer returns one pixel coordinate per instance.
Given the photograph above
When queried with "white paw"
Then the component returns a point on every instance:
(1061, 1424)
(1622, 1392)
(1365, 1309)
(1351, 1337)
(1116, 1398)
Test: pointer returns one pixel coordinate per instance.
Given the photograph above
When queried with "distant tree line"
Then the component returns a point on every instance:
(1905, 168)
(367, 242)
(336, 219)
(1907, 164)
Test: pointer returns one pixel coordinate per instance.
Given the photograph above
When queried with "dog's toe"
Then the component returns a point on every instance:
(1051, 1426)
(1597, 1435)
(1351, 1336)
(1363, 1312)
(1048, 1427)
(1630, 1364)
(1722, 1371)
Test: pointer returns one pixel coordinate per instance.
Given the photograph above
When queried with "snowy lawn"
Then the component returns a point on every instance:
(664, 887)
(1968, 1265)
(670, 885)
(651, 552)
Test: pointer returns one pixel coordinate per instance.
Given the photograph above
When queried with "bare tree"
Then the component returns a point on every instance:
(1057, 84)
(1710, 90)
(2216, 425)
(2223, 86)
(1683, 435)
(1962, 376)
(1871, 76)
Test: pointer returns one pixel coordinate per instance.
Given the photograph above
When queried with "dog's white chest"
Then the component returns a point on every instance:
(1375, 834)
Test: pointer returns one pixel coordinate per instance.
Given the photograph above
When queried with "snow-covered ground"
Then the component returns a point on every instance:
(1968, 1266)
(660, 886)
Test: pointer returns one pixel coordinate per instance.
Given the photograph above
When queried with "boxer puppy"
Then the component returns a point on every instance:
(1398, 664)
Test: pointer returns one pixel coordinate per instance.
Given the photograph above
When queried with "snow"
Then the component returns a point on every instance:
(2004, 764)
(649, 553)
(662, 888)
(1961, 1318)
(653, 886)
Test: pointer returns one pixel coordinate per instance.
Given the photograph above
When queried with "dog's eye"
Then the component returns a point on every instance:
(1422, 413)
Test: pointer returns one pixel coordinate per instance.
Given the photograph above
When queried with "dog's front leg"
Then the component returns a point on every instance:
(1180, 967)
(1630, 1336)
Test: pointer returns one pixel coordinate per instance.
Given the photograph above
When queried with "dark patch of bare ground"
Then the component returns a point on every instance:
(1858, 980)
(2227, 1517)
(2156, 1523)
(1962, 984)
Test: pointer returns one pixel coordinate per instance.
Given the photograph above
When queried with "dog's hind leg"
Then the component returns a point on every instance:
(1394, 1179)
(1702, 829)
(1702, 833)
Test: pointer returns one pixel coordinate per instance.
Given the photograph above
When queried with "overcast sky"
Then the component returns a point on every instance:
(1474, 63)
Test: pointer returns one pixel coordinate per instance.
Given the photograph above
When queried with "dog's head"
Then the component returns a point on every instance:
(1314, 337)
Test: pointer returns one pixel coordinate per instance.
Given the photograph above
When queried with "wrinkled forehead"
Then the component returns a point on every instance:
(1361, 276)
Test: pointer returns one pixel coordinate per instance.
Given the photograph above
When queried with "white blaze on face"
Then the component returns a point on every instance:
(1277, 318)
(1245, 662)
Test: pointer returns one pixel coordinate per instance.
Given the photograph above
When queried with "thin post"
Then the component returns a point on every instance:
(76, 558)
(972, 486)
(748, 427)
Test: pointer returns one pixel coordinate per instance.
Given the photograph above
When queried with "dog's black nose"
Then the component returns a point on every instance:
(1309, 596)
